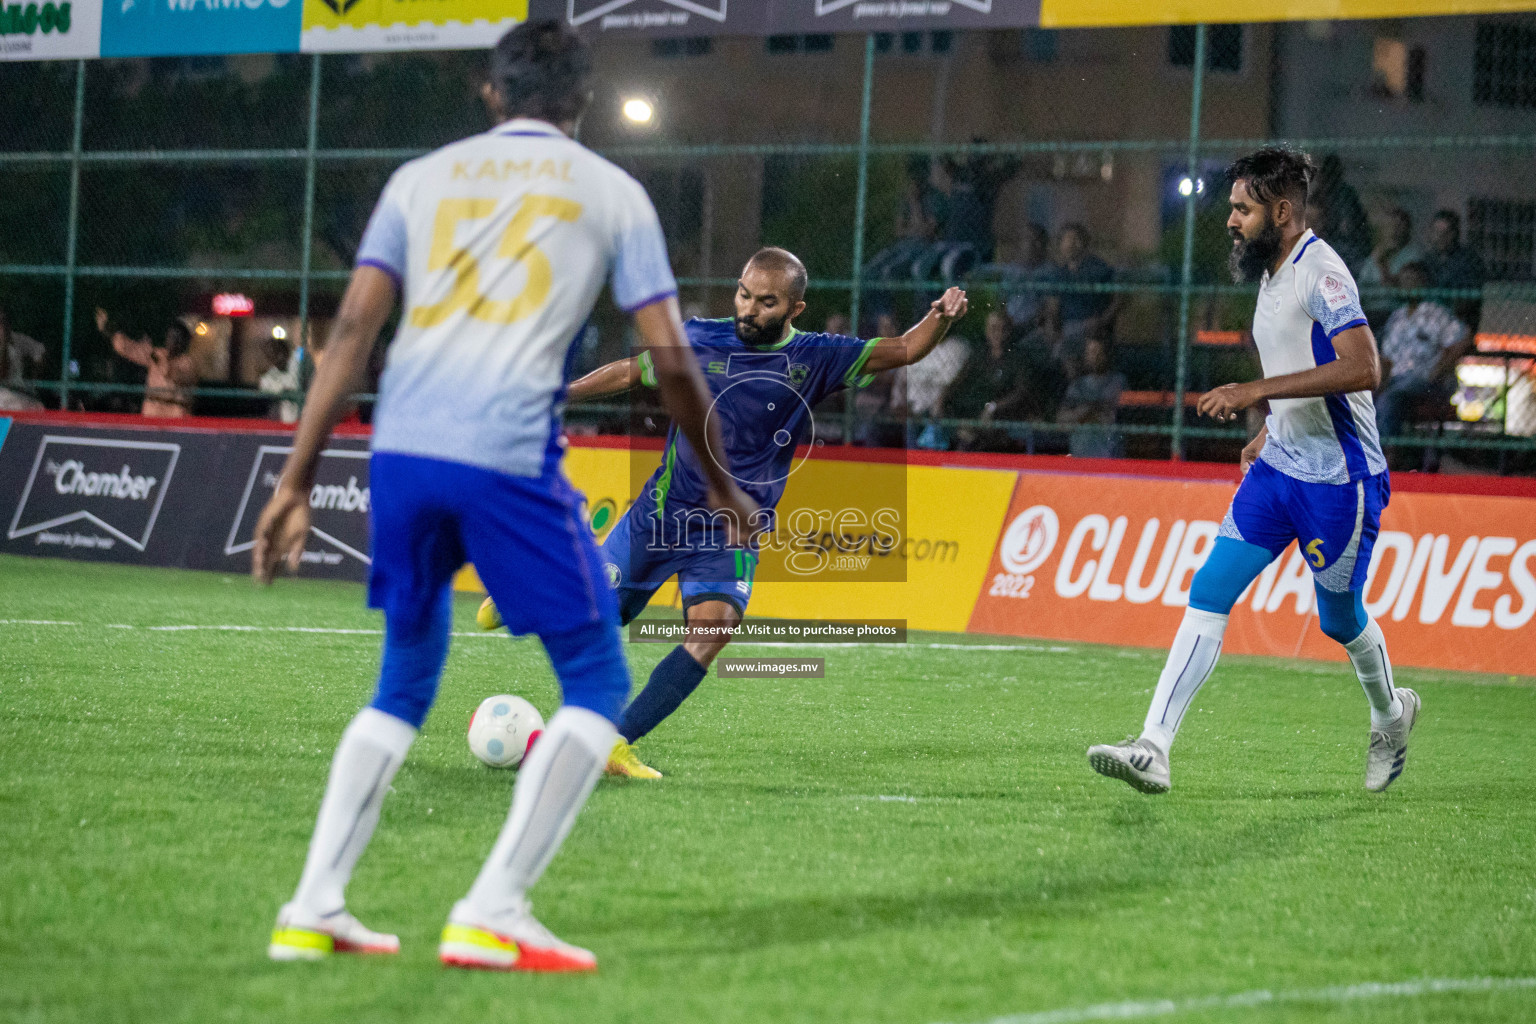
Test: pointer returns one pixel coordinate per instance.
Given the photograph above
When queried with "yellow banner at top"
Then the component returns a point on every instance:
(1104, 13)
(361, 25)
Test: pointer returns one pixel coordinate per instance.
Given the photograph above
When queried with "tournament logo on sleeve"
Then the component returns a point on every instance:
(1335, 294)
(91, 494)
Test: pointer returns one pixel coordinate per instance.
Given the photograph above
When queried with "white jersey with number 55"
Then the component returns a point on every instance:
(500, 245)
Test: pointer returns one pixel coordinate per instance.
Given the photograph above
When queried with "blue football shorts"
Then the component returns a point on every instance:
(1335, 524)
(638, 561)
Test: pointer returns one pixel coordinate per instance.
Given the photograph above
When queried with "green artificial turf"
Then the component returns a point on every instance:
(915, 838)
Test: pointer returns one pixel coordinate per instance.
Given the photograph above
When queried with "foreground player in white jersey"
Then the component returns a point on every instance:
(1315, 474)
(497, 247)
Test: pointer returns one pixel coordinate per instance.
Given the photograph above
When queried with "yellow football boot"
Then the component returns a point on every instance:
(488, 618)
(625, 762)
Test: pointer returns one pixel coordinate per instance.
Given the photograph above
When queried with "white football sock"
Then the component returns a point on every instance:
(371, 750)
(1368, 653)
(552, 786)
(1190, 662)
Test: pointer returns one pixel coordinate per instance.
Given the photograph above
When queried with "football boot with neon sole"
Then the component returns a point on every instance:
(488, 618)
(1136, 762)
(300, 935)
(514, 941)
(1389, 745)
(625, 762)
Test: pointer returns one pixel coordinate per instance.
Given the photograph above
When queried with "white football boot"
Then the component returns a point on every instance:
(1389, 745)
(511, 941)
(1136, 761)
(301, 935)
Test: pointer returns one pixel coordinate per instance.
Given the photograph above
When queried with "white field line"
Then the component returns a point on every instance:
(1263, 997)
(225, 628)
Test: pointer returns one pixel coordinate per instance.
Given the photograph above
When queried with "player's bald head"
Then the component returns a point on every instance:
(786, 269)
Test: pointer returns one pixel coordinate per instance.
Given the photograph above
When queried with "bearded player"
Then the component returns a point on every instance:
(766, 376)
(1315, 474)
(496, 247)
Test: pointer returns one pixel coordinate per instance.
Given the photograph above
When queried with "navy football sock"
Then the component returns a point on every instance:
(673, 680)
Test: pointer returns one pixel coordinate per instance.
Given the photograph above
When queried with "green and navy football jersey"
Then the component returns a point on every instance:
(763, 399)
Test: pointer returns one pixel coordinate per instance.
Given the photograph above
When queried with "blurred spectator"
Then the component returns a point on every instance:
(20, 355)
(1091, 400)
(1394, 253)
(965, 230)
(870, 402)
(1421, 345)
(1340, 218)
(1072, 317)
(1451, 265)
(919, 392)
(917, 222)
(171, 374)
(281, 377)
(838, 323)
(995, 384)
(1025, 306)
(12, 399)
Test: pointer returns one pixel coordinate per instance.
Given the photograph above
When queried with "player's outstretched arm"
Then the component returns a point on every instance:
(1357, 368)
(921, 339)
(687, 401)
(284, 523)
(613, 378)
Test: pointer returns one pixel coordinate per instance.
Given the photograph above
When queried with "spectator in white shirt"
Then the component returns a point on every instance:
(1421, 345)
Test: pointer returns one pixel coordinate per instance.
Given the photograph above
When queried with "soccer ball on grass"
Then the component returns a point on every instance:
(502, 730)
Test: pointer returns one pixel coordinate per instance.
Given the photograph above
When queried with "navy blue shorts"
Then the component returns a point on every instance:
(638, 562)
(526, 537)
(1335, 524)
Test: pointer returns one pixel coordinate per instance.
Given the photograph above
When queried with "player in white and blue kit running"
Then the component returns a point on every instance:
(497, 247)
(1315, 474)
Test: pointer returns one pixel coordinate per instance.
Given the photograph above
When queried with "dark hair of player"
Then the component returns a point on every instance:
(782, 261)
(1273, 174)
(542, 69)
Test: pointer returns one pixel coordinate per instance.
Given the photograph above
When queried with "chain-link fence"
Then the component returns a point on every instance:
(1071, 180)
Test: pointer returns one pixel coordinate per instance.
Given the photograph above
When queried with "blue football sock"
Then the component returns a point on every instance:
(677, 676)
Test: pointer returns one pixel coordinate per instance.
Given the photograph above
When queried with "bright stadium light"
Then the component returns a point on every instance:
(1186, 186)
(280, 333)
(638, 110)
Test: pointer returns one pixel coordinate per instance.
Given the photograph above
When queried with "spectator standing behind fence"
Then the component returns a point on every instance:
(1074, 316)
(1420, 348)
(16, 351)
(1091, 401)
(917, 222)
(1024, 304)
(14, 348)
(171, 373)
(1452, 265)
(920, 389)
(281, 377)
(993, 385)
(1339, 217)
(1387, 261)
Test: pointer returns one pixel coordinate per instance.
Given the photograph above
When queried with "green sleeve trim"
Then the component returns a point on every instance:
(856, 377)
(647, 370)
(664, 483)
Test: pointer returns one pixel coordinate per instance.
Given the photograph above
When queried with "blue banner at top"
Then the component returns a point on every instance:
(158, 28)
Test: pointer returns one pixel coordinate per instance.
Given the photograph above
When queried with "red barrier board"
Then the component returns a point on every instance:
(1107, 560)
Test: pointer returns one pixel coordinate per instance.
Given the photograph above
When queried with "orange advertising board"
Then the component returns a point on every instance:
(1107, 559)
